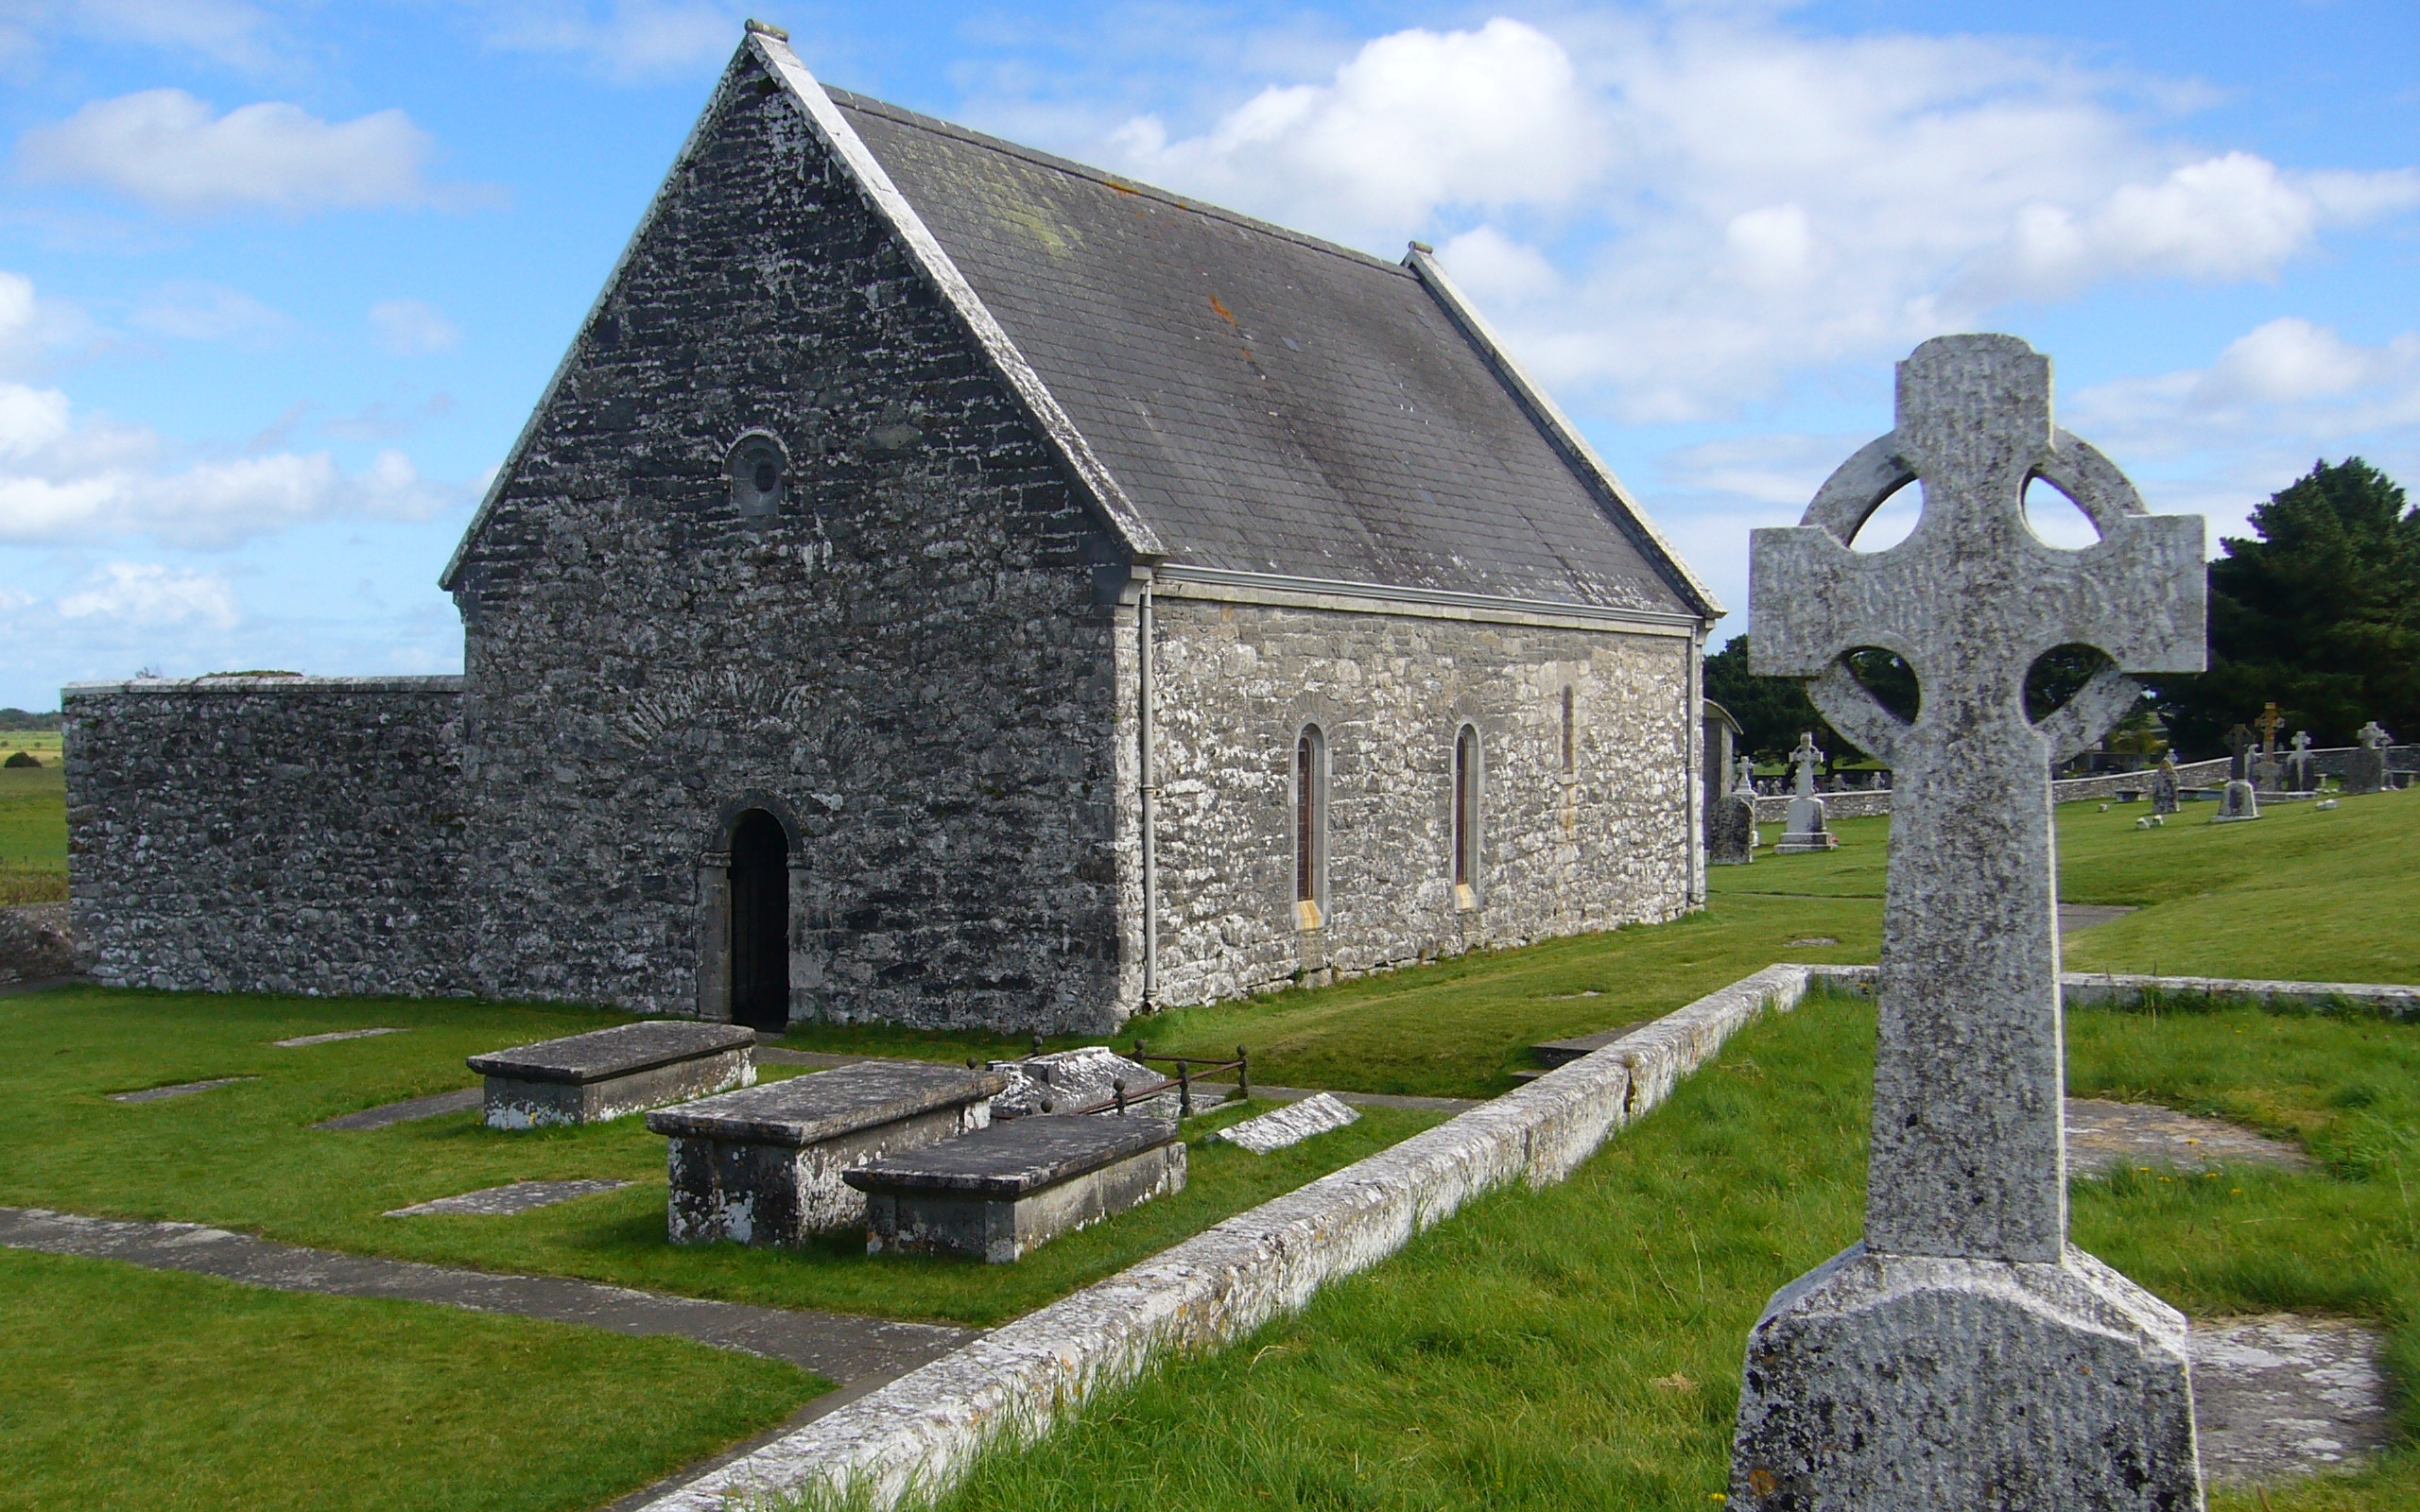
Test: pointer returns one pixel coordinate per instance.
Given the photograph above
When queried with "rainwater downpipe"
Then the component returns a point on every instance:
(1150, 805)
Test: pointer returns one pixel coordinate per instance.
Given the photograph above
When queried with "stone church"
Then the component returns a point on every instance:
(949, 584)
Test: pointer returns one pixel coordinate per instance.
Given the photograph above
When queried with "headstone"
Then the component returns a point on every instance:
(2267, 773)
(1290, 1125)
(608, 1073)
(1002, 1192)
(1964, 1355)
(2367, 771)
(2163, 786)
(1805, 829)
(2298, 768)
(765, 1166)
(1721, 836)
(1731, 836)
(2237, 801)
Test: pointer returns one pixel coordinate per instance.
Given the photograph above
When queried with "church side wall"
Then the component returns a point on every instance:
(1607, 845)
(275, 835)
(903, 664)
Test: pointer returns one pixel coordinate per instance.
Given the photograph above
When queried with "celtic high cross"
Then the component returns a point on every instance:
(1964, 1355)
(1968, 1156)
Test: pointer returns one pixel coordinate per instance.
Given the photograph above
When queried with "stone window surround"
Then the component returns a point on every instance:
(744, 462)
(1311, 912)
(1466, 816)
(714, 899)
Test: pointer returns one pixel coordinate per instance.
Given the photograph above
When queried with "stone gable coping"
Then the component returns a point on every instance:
(441, 684)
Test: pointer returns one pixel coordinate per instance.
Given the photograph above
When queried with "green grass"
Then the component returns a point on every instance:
(245, 1157)
(123, 1388)
(33, 833)
(1580, 1346)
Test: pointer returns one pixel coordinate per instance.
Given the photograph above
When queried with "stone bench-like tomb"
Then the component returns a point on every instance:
(764, 1166)
(587, 1078)
(1016, 1185)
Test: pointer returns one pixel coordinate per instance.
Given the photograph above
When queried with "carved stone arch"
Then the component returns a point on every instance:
(716, 920)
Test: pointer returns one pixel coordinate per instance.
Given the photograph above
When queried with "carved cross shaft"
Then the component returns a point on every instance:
(1969, 1156)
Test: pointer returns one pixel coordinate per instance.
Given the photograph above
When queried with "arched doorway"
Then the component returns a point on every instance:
(760, 922)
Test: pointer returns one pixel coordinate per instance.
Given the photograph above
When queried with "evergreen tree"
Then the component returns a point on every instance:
(2319, 614)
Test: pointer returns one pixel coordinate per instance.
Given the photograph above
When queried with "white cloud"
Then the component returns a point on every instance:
(33, 328)
(412, 328)
(168, 150)
(2286, 381)
(627, 41)
(193, 310)
(1411, 122)
(62, 480)
(223, 32)
(147, 593)
(1675, 214)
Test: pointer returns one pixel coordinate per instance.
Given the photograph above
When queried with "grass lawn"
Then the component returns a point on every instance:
(123, 1388)
(33, 833)
(1580, 1346)
(245, 1157)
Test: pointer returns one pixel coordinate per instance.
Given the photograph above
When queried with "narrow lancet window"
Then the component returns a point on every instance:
(1466, 817)
(1310, 829)
(1570, 736)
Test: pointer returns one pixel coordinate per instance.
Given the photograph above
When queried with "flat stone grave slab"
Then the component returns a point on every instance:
(183, 1089)
(386, 1115)
(1290, 1125)
(2073, 916)
(609, 1073)
(764, 1166)
(1010, 1189)
(2287, 1395)
(1068, 1080)
(2103, 1137)
(300, 1040)
(1555, 1053)
(503, 1201)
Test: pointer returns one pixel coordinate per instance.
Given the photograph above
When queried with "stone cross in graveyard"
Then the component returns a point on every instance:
(2239, 754)
(2299, 763)
(2366, 773)
(2269, 722)
(1805, 828)
(1808, 759)
(1964, 1355)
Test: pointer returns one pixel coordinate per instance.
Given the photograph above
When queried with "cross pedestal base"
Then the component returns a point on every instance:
(1889, 1382)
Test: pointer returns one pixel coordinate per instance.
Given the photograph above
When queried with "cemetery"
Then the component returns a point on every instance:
(1974, 1137)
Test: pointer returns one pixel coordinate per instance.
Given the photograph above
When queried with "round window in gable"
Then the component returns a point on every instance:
(759, 471)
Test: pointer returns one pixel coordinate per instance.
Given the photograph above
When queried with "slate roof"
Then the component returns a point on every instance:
(1270, 402)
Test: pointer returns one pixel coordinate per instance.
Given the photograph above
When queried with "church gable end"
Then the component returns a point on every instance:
(780, 535)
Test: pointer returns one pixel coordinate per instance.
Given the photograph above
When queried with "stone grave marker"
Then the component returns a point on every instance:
(1805, 829)
(2366, 772)
(1964, 1355)
(1730, 825)
(2298, 765)
(2268, 774)
(2164, 787)
(2238, 801)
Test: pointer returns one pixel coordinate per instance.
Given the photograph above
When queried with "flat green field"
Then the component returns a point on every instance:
(33, 833)
(123, 1388)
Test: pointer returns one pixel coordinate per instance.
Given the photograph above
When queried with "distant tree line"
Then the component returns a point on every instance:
(2319, 614)
(20, 719)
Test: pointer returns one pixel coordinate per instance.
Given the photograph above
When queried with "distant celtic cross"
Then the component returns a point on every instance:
(1809, 759)
(2269, 723)
(1964, 1355)
(1968, 1156)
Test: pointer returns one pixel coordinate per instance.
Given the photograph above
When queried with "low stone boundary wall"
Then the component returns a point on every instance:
(283, 834)
(2126, 989)
(916, 1436)
(1860, 804)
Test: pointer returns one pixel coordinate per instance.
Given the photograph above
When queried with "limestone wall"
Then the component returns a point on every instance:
(290, 834)
(1607, 845)
(903, 662)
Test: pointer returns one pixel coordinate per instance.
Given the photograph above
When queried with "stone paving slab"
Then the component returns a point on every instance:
(2073, 916)
(436, 1105)
(2287, 1395)
(503, 1201)
(836, 1346)
(301, 1040)
(183, 1089)
(2103, 1136)
(1288, 1125)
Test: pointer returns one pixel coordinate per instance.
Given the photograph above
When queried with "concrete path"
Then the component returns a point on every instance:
(836, 1346)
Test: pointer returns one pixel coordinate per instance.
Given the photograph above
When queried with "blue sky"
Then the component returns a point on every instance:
(279, 283)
